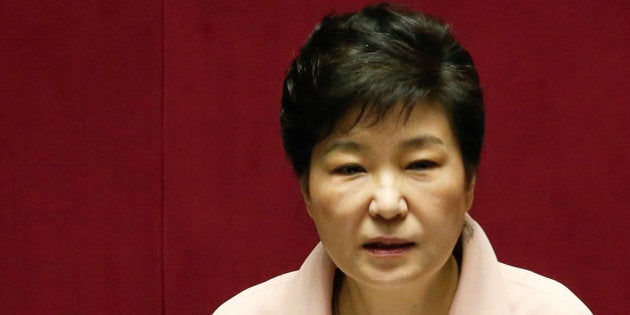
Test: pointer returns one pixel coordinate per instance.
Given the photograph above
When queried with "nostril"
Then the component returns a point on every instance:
(403, 205)
(372, 207)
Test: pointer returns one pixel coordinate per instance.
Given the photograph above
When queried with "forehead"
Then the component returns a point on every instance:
(423, 126)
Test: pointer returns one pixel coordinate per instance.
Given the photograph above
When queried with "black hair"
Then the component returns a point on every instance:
(376, 58)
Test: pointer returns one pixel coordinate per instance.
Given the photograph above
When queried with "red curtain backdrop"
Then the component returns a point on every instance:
(141, 169)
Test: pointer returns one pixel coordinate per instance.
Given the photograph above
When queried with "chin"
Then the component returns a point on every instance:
(389, 279)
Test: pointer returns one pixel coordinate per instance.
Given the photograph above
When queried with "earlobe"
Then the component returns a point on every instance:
(305, 195)
(470, 193)
(307, 203)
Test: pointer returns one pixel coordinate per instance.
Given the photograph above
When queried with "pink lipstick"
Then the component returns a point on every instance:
(383, 247)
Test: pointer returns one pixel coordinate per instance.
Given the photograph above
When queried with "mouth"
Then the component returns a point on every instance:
(385, 247)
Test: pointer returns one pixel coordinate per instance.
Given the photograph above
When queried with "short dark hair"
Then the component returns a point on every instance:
(376, 58)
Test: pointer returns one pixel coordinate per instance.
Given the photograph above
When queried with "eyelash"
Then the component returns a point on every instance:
(355, 169)
(421, 165)
(349, 170)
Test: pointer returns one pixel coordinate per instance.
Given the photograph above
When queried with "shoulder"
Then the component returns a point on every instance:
(264, 298)
(531, 293)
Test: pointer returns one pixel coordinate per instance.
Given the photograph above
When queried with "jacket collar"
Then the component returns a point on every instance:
(480, 289)
(311, 292)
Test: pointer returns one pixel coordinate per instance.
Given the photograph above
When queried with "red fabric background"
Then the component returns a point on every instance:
(141, 170)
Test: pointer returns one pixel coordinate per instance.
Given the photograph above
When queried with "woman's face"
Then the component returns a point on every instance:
(389, 199)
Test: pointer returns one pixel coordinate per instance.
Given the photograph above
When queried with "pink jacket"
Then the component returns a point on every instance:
(485, 286)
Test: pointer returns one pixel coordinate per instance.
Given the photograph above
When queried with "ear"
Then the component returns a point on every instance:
(470, 192)
(305, 194)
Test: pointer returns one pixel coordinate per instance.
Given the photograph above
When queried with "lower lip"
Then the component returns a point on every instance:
(394, 252)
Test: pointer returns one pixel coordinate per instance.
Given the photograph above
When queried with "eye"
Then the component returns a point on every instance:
(421, 165)
(349, 169)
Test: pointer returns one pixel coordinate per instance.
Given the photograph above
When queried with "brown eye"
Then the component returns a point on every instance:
(349, 170)
(422, 165)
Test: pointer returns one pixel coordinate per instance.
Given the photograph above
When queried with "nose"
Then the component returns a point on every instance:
(388, 203)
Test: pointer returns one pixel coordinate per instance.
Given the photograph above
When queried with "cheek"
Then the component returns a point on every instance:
(444, 194)
(332, 199)
(451, 189)
(334, 223)
(336, 211)
(334, 207)
(440, 208)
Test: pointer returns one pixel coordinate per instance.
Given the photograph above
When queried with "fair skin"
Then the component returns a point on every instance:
(389, 202)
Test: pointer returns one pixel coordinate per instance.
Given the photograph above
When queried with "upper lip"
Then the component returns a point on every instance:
(387, 240)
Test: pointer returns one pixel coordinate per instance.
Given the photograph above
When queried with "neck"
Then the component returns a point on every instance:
(433, 295)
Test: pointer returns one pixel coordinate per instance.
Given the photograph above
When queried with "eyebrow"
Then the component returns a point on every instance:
(413, 143)
(421, 141)
(343, 145)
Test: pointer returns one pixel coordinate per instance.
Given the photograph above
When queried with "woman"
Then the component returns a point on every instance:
(382, 118)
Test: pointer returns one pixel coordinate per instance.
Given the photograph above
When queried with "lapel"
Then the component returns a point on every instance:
(481, 288)
(311, 292)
